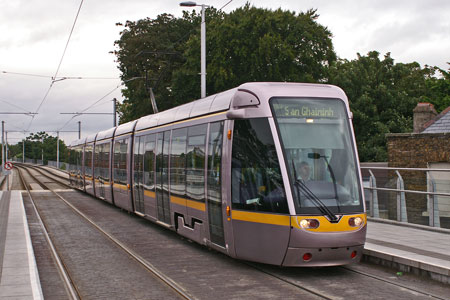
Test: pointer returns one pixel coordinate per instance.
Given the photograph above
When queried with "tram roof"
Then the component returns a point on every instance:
(78, 142)
(266, 90)
(232, 98)
(91, 138)
(106, 134)
(125, 128)
(214, 103)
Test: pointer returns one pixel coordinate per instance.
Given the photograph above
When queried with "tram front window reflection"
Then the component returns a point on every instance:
(256, 182)
(319, 154)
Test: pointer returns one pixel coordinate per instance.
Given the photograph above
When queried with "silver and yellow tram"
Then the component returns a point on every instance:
(265, 172)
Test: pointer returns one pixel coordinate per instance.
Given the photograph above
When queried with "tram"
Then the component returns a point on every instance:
(265, 172)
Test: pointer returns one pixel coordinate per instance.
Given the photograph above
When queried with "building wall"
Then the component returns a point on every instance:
(415, 150)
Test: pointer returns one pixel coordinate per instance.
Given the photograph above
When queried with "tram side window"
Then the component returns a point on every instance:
(79, 156)
(97, 160)
(195, 162)
(88, 160)
(256, 180)
(79, 151)
(102, 163)
(72, 160)
(214, 182)
(214, 162)
(149, 162)
(178, 163)
(105, 161)
(120, 161)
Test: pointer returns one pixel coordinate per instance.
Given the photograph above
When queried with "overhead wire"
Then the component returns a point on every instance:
(58, 78)
(59, 65)
(16, 106)
(70, 35)
(98, 101)
(226, 4)
(54, 78)
(26, 74)
(89, 107)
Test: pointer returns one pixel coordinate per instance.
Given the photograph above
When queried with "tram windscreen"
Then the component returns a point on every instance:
(318, 148)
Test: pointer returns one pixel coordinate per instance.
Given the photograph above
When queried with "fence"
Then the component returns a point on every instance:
(62, 165)
(413, 195)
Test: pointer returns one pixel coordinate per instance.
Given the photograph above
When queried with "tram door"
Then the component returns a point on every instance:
(214, 180)
(162, 177)
(138, 172)
(260, 214)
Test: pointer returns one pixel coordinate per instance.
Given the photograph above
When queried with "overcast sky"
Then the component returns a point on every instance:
(33, 35)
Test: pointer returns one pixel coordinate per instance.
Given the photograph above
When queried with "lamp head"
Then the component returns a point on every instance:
(188, 3)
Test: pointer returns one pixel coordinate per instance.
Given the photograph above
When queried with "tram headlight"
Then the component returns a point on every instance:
(355, 221)
(309, 223)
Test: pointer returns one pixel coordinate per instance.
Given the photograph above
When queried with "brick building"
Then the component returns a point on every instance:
(427, 147)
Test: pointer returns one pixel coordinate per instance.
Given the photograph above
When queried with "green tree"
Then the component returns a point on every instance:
(151, 48)
(438, 88)
(248, 44)
(382, 97)
(14, 151)
(40, 143)
(255, 44)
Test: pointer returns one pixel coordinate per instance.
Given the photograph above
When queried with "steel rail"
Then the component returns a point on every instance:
(71, 289)
(309, 290)
(33, 177)
(51, 173)
(2, 182)
(393, 283)
(152, 269)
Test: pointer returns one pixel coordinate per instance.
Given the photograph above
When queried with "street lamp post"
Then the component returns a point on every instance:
(202, 45)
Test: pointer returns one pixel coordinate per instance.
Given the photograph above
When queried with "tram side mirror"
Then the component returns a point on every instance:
(314, 155)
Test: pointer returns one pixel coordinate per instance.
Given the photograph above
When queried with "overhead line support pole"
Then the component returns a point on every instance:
(115, 112)
(3, 143)
(57, 149)
(203, 53)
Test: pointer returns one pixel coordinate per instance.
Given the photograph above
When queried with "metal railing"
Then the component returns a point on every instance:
(431, 193)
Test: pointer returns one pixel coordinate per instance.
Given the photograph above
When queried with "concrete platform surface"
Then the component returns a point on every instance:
(19, 275)
(411, 248)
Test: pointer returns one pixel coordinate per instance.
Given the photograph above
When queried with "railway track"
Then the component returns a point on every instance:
(70, 284)
(317, 283)
(70, 288)
(2, 183)
(375, 280)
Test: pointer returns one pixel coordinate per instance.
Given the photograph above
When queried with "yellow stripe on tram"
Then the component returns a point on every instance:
(150, 194)
(178, 200)
(196, 205)
(188, 203)
(120, 186)
(264, 218)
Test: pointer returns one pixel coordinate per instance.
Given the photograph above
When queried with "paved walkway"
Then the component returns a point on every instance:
(19, 277)
(411, 248)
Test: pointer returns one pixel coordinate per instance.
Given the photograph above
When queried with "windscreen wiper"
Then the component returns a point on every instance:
(310, 195)
(320, 205)
(315, 155)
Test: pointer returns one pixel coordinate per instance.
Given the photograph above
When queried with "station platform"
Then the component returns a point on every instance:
(418, 249)
(19, 278)
(405, 247)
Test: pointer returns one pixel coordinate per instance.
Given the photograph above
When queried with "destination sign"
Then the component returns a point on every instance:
(287, 108)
